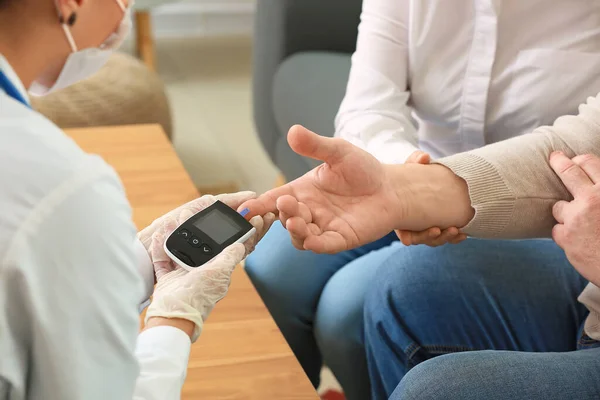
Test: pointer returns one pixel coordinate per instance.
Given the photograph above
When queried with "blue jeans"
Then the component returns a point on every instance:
(317, 302)
(481, 320)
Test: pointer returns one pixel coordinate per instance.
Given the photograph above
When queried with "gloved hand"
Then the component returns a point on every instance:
(154, 236)
(193, 295)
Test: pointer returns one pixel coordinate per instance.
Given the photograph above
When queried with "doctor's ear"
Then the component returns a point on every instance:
(67, 11)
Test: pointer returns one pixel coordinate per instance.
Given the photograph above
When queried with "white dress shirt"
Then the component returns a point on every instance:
(69, 280)
(449, 76)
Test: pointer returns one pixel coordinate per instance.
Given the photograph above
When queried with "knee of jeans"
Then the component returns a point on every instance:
(399, 285)
(447, 377)
(339, 324)
(426, 381)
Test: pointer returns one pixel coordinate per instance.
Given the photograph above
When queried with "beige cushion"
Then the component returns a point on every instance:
(124, 92)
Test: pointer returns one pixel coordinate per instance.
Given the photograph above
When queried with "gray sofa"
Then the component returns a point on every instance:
(302, 56)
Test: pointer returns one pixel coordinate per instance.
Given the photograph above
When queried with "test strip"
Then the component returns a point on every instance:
(244, 212)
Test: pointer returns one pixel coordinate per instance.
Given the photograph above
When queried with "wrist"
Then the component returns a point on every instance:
(428, 196)
(186, 326)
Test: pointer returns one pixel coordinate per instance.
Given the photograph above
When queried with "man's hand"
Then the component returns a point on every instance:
(352, 199)
(341, 204)
(432, 237)
(578, 228)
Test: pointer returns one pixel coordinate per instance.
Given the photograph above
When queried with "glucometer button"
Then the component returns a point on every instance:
(195, 242)
(183, 257)
(185, 233)
(206, 249)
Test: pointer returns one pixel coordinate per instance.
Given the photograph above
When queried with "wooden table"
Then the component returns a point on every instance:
(241, 353)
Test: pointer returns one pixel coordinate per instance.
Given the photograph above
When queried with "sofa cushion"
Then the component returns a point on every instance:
(308, 89)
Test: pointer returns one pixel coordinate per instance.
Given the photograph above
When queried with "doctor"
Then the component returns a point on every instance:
(70, 285)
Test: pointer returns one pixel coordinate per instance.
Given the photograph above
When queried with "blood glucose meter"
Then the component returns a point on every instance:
(206, 234)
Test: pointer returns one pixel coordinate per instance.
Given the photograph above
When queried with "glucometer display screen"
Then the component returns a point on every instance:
(217, 225)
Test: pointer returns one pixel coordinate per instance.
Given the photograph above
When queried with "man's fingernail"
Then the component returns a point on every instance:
(556, 153)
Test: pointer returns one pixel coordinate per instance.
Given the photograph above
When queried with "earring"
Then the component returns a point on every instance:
(70, 21)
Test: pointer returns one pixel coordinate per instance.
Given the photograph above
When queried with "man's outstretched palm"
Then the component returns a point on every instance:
(341, 204)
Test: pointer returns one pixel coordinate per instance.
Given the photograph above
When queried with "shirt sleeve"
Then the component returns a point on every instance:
(374, 114)
(146, 270)
(511, 184)
(81, 289)
(163, 354)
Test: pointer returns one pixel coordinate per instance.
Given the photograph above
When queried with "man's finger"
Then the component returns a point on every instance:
(446, 236)
(559, 211)
(405, 237)
(571, 174)
(329, 242)
(590, 165)
(427, 236)
(459, 239)
(234, 200)
(266, 202)
(418, 157)
(559, 235)
(293, 208)
(309, 144)
(283, 217)
(298, 230)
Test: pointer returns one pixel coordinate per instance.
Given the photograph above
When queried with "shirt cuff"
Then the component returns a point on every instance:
(146, 270)
(163, 354)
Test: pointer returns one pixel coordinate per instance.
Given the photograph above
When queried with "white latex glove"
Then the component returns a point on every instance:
(154, 236)
(193, 295)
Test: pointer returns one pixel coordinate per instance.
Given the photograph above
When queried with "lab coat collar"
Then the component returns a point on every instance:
(13, 77)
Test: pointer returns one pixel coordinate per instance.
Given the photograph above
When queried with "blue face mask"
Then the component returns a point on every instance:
(81, 64)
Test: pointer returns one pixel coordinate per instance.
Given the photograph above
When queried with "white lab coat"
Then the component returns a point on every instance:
(69, 280)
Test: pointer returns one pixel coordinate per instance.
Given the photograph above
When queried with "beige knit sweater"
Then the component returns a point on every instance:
(513, 188)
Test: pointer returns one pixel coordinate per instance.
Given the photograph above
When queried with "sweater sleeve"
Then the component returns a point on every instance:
(511, 184)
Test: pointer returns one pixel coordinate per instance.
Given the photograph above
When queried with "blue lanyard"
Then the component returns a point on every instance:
(11, 90)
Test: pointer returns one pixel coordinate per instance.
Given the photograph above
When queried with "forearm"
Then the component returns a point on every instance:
(511, 185)
(432, 195)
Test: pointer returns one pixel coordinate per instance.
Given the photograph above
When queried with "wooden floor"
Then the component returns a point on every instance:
(241, 354)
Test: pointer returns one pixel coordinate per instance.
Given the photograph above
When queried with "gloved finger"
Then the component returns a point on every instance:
(234, 200)
(262, 225)
(460, 238)
(196, 205)
(224, 263)
(291, 207)
(268, 220)
(258, 223)
(161, 262)
(186, 214)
